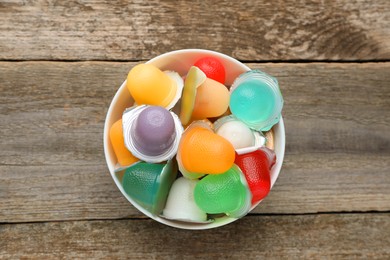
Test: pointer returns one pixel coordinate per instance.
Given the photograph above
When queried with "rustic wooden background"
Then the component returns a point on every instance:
(61, 63)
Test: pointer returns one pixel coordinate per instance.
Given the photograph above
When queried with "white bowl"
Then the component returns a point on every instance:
(180, 61)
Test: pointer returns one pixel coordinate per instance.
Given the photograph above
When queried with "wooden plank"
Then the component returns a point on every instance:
(135, 30)
(362, 236)
(52, 164)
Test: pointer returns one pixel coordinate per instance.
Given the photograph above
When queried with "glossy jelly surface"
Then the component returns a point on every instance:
(139, 181)
(252, 101)
(256, 100)
(151, 133)
(194, 79)
(148, 85)
(154, 130)
(124, 156)
(181, 203)
(212, 100)
(212, 67)
(223, 193)
(203, 151)
(256, 167)
(149, 184)
(237, 133)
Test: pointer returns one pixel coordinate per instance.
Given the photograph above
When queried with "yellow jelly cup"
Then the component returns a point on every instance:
(181, 61)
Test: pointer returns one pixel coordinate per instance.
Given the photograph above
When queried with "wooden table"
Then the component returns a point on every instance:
(61, 63)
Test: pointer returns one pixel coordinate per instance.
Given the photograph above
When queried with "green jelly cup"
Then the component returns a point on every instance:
(226, 193)
(181, 61)
(148, 184)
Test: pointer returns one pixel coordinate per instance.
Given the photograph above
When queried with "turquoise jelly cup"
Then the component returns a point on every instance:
(256, 100)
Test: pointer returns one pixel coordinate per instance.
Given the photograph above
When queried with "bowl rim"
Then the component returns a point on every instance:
(177, 224)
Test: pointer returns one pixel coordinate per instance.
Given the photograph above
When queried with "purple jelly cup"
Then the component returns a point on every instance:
(154, 131)
(181, 61)
(151, 133)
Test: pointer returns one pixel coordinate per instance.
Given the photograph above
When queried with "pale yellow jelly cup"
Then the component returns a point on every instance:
(181, 61)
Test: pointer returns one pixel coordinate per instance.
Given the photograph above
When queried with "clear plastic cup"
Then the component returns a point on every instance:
(256, 100)
(181, 61)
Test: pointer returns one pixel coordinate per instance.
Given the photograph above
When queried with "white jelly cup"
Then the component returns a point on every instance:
(181, 61)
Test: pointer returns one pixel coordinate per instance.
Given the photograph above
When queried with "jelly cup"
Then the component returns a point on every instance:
(181, 61)
(256, 100)
(199, 142)
(149, 183)
(226, 193)
(151, 133)
(238, 133)
(181, 204)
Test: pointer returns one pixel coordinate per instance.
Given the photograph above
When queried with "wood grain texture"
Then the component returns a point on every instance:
(136, 30)
(349, 236)
(52, 165)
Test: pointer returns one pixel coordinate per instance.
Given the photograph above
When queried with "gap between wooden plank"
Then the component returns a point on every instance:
(250, 215)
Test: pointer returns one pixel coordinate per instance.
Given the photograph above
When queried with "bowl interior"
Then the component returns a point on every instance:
(180, 61)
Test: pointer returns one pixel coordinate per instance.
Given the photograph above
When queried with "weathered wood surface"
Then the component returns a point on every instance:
(346, 236)
(136, 30)
(52, 165)
(57, 199)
